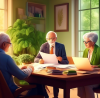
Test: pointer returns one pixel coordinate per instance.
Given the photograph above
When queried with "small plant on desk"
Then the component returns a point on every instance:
(26, 59)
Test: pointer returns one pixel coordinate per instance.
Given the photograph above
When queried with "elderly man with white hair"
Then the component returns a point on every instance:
(53, 47)
(92, 52)
(9, 68)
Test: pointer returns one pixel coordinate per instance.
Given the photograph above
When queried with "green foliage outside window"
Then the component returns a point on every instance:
(88, 20)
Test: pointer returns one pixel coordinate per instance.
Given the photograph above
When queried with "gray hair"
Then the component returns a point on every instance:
(51, 32)
(92, 36)
(3, 38)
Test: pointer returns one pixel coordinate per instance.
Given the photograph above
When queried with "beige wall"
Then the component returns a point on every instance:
(22, 4)
(63, 37)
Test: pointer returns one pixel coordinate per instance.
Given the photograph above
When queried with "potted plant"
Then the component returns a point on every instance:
(26, 59)
(25, 38)
(26, 41)
(15, 58)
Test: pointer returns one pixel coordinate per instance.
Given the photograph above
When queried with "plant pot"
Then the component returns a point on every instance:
(26, 63)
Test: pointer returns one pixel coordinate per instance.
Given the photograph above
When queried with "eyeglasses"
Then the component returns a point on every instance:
(9, 43)
(51, 38)
(86, 42)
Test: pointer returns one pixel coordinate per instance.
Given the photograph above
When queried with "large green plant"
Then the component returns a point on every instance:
(25, 38)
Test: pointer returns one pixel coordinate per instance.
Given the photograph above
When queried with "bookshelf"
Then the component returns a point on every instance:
(38, 14)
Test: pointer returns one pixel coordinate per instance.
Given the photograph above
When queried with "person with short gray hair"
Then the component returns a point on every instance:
(52, 47)
(92, 36)
(9, 68)
(92, 52)
(51, 32)
(3, 38)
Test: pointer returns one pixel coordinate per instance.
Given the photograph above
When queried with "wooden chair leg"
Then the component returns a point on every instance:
(47, 88)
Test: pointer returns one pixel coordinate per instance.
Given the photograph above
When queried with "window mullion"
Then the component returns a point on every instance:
(80, 29)
(99, 22)
(90, 15)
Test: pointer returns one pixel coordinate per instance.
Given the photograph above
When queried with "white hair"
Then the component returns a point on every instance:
(51, 32)
(3, 38)
(92, 36)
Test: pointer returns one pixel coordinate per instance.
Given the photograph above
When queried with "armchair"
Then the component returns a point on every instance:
(5, 91)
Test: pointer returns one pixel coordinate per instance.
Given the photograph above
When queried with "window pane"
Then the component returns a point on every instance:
(80, 54)
(98, 37)
(94, 3)
(1, 4)
(79, 2)
(85, 4)
(79, 42)
(95, 19)
(1, 19)
(79, 27)
(85, 20)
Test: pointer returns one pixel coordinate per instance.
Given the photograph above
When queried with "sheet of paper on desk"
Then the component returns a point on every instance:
(49, 58)
(68, 66)
(38, 67)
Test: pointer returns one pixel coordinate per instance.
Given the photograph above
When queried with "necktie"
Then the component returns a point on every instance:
(51, 50)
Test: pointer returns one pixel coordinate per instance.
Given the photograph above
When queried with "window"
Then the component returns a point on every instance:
(3, 15)
(89, 14)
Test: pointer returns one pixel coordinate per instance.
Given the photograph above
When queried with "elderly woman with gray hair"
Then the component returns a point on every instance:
(92, 52)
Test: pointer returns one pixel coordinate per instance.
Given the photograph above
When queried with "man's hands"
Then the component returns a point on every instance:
(59, 58)
(23, 67)
(28, 66)
(41, 61)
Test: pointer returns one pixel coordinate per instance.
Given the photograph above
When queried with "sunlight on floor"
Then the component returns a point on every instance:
(73, 93)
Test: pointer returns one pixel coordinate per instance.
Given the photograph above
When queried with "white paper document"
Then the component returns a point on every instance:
(67, 66)
(38, 67)
(49, 58)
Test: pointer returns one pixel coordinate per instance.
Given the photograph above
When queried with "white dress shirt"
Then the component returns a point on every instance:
(89, 55)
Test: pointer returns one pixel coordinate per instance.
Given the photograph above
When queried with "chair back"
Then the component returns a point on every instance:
(70, 60)
(4, 89)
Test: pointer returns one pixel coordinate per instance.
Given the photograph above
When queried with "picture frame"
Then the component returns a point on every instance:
(34, 10)
(61, 16)
(21, 13)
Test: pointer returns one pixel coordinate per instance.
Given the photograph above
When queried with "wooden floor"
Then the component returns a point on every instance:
(73, 93)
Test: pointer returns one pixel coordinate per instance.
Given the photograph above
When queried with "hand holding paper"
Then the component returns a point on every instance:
(49, 58)
(41, 61)
(59, 58)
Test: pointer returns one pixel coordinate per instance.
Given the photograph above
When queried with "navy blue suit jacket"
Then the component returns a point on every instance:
(59, 51)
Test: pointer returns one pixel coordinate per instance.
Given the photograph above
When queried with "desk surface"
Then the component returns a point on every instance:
(49, 79)
(65, 82)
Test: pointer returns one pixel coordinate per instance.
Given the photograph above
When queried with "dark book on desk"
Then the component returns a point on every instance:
(55, 72)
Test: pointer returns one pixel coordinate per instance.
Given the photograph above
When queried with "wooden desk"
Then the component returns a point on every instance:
(64, 81)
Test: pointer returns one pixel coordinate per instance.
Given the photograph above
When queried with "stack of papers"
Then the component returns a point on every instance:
(38, 67)
(50, 60)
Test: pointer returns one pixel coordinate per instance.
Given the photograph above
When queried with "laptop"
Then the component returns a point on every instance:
(82, 64)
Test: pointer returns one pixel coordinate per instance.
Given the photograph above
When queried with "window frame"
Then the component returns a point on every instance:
(5, 16)
(77, 29)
